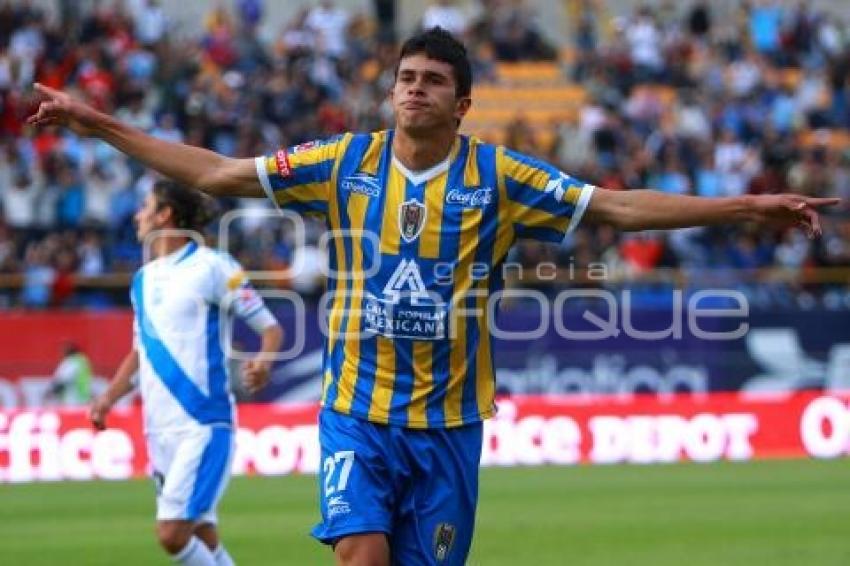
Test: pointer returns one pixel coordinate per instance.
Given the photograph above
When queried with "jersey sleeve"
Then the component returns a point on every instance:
(543, 202)
(298, 178)
(230, 286)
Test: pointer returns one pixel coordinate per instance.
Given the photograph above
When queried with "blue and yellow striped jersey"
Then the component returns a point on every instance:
(415, 258)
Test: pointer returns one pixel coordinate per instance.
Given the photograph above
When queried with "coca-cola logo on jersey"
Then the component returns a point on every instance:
(470, 198)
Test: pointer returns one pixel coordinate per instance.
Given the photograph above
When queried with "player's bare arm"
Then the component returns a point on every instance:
(120, 385)
(654, 210)
(255, 374)
(193, 166)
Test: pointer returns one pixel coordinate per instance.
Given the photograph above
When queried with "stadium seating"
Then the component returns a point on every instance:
(539, 93)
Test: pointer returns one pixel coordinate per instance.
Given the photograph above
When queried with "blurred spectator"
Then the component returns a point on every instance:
(26, 45)
(63, 285)
(766, 26)
(38, 277)
(793, 251)
(309, 264)
(296, 37)
(151, 23)
(744, 74)
(641, 252)
(250, 13)
(219, 40)
(103, 180)
(136, 113)
(836, 244)
(644, 39)
(699, 20)
(671, 177)
(90, 251)
(166, 128)
(584, 15)
(385, 11)
(735, 163)
(514, 36)
(70, 203)
(447, 15)
(8, 263)
(680, 97)
(72, 380)
(20, 190)
(330, 24)
(520, 137)
(810, 176)
(692, 121)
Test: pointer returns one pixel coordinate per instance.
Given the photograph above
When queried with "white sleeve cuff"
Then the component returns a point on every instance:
(581, 206)
(261, 320)
(263, 176)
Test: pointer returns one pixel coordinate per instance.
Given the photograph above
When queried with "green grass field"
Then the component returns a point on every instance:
(761, 513)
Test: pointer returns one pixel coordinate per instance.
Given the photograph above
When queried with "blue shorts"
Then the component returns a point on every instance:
(420, 487)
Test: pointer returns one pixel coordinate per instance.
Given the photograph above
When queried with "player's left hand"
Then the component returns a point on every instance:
(255, 374)
(785, 210)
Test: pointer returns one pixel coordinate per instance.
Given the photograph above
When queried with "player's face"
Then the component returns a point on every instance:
(424, 97)
(149, 217)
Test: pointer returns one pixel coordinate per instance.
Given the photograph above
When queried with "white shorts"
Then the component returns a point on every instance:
(191, 470)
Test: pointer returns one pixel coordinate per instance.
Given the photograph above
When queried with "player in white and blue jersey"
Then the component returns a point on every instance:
(181, 300)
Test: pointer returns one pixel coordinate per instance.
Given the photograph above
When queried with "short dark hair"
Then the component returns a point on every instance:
(190, 209)
(438, 44)
(70, 348)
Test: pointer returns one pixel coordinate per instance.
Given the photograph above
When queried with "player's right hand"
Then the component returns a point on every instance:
(59, 108)
(100, 407)
(255, 374)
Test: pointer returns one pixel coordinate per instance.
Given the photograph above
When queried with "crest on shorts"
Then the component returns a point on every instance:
(158, 481)
(444, 537)
(411, 219)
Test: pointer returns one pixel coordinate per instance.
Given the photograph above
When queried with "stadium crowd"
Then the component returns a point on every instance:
(760, 103)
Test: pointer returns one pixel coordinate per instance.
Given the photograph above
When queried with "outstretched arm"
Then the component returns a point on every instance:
(193, 166)
(654, 210)
(120, 385)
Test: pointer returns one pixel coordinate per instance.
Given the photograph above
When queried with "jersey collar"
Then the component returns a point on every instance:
(181, 253)
(425, 175)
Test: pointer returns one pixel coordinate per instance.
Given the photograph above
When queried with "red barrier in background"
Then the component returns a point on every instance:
(31, 342)
(31, 348)
(278, 440)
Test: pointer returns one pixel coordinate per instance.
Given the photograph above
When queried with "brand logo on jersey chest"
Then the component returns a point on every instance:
(361, 184)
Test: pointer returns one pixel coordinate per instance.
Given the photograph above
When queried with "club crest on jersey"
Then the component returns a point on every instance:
(444, 537)
(411, 219)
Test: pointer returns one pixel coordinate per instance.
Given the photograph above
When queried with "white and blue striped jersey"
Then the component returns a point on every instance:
(177, 302)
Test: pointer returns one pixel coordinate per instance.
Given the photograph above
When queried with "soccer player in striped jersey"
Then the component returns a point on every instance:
(422, 218)
(181, 300)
